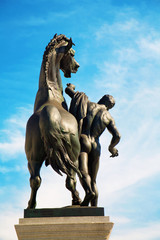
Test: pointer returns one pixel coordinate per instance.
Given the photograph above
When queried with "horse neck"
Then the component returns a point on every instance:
(50, 76)
(50, 83)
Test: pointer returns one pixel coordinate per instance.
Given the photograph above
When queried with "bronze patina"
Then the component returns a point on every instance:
(52, 132)
(68, 141)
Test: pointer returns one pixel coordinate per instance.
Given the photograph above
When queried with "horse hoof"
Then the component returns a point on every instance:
(31, 205)
(76, 202)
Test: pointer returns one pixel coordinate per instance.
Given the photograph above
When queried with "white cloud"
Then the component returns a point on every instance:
(13, 135)
(8, 219)
(11, 209)
(128, 26)
(120, 220)
(149, 47)
(148, 232)
(113, 75)
(15, 144)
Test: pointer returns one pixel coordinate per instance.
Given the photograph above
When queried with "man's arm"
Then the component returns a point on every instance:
(70, 90)
(115, 137)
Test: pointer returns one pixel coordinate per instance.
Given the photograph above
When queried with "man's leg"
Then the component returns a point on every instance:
(86, 179)
(94, 157)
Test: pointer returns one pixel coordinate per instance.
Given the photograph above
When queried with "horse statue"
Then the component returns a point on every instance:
(52, 132)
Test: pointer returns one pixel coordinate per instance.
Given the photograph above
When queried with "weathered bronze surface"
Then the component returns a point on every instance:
(92, 119)
(68, 141)
(52, 132)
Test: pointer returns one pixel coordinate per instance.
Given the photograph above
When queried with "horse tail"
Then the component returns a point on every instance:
(56, 141)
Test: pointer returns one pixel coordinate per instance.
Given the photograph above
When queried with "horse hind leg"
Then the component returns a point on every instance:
(35, 182)
(71, 186)
(35, 154)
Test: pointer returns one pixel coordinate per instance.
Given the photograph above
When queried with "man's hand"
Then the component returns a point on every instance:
(114, 152)
(70, 85)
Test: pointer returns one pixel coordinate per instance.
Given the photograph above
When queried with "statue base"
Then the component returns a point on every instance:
(48, 226)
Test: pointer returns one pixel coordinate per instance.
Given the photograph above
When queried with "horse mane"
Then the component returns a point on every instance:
(57, 39)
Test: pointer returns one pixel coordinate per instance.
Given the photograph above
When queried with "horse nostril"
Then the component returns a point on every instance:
(77, 65)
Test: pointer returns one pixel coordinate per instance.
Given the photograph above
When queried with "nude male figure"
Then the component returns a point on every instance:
(96, 120)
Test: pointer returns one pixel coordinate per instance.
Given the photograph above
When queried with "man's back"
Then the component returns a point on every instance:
(96, 120)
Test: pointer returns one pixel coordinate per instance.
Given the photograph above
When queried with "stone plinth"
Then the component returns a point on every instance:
(64, 228)
(70, 211)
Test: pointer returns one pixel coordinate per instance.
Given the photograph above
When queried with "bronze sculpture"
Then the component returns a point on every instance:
(92, 119)
(66, 140)
(52, 132)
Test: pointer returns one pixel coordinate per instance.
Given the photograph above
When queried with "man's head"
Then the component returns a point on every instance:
(108, 101)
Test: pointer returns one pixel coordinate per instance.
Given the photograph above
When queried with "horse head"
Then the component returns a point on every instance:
(61, 52)
(68, 64)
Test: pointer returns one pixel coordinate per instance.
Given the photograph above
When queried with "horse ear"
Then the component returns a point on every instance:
(69, 45)
(65, 49)
(55, 35)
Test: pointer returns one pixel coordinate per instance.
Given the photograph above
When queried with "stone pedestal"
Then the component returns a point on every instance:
(63, 227)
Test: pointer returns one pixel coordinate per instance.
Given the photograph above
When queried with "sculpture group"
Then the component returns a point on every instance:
(68, 140)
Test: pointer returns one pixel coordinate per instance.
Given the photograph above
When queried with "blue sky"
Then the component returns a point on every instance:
(118, 49)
